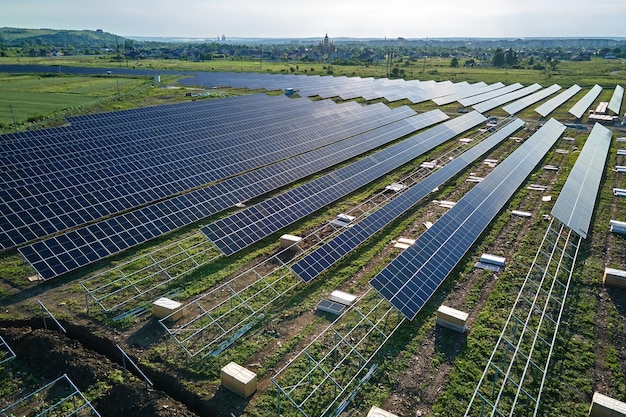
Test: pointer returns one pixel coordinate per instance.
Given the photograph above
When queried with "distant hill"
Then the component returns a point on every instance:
(16, 37)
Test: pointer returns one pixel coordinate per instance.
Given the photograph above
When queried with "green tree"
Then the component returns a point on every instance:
(498, 58)
(510, 58)
(553, 63)
(454, 63)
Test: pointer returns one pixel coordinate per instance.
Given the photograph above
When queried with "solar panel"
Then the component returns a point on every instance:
(583, 104)
(574, 207)
(411, 279)
(616, 99)
(113, 235)
(552, 104)
(524, 102)
(500, 100)
(248, 226)
(332, 251)
(469, 101)
(474, 90)
(75, 195)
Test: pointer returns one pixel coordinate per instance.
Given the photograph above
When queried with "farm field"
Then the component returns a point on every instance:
(34, 97)
(422, 369)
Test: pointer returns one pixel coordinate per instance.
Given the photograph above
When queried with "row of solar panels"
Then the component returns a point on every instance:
(480, 95)
(70, 191)
(63, 253)
(49, 188)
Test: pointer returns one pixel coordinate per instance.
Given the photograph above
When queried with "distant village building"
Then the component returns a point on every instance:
(326, 46)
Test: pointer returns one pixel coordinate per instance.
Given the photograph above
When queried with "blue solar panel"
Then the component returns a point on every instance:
(244, 228)
(574, 207)
(71, 191)
(126, 230)
(410, 280)
(322, 258)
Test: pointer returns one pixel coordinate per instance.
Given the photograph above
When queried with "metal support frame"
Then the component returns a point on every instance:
(45, 312)
(338, 361)
(66, 399)
(515, 374)
(125, 358)
(132, 285)
(8, 355)
(221, 314)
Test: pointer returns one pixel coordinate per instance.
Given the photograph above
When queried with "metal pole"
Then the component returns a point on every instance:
(13, 117)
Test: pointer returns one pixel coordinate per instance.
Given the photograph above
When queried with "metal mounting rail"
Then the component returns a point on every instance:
(515, 374)
(62, 398)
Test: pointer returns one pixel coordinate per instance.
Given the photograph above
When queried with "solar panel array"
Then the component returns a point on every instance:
(332, 251)
(411, 279)
(471, 91)
(583, 104)
(552, 104)
(574, 207)
(500, 100)
(80, 247)
(524, 102)
(470, 101)
(248, 226)
(616, 99)
(55, 180)
(346, 88)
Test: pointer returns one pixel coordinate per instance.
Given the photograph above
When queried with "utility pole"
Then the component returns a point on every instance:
(13, 117)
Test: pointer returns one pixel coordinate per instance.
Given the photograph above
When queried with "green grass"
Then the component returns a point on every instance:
(33, 97)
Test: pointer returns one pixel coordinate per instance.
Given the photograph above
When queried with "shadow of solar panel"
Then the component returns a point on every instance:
(409, 281)
(329, 253)
(574, 207)
(239, 230)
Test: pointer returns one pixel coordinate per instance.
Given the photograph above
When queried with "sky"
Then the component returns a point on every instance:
(315, 18)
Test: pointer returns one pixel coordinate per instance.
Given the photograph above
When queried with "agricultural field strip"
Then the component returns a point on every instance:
(549, 106)
(242, 229)
(500, 100)
(337, 359)
(104, 280)
(116, 287)
(218, 308)
(527, 101)
(99, 192)
(615, 104)
(94, 242)
(411, 279)
(584, 103)
(66, 398)
(6, 353)
(537, 310)
(332, 251)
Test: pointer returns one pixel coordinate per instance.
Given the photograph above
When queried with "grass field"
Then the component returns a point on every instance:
(33, 97)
